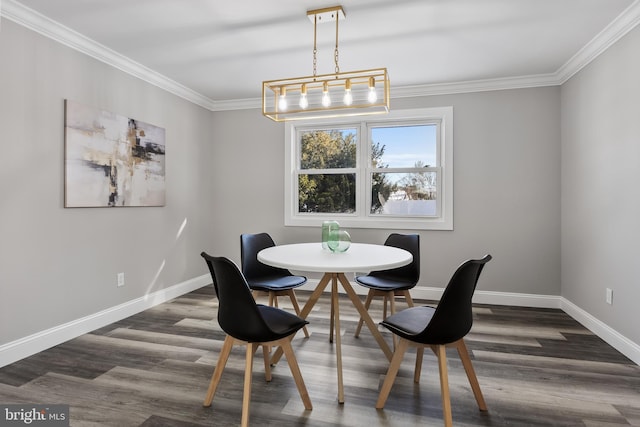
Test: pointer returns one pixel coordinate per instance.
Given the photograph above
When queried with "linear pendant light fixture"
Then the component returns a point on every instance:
(338, 94)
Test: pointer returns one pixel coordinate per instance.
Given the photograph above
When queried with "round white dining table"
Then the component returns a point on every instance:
(360, 258)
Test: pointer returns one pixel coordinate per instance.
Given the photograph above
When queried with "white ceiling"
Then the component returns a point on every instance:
(223, 50)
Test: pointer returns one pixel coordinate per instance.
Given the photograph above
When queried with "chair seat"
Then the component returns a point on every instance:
(409, 322)
(381, 283)
(276, 283)
(281, 323)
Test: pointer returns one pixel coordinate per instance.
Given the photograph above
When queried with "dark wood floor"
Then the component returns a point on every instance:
(536, 367)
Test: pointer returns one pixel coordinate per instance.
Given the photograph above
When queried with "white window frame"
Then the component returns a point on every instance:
(362, 218)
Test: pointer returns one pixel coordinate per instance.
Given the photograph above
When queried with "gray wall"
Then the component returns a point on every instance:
(600, 191)
(506, 184)
(225, 177)
(56, 264)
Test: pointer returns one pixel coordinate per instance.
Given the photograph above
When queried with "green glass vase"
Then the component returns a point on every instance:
(339, 240)
(327, 226)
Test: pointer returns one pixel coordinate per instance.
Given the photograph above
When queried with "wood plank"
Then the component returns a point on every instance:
(536, 367)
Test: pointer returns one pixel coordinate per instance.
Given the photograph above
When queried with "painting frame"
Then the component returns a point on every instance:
(112, 160)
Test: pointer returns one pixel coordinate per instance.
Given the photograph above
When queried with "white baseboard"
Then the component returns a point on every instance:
(602, 330)
(616, 340)
(480, 297)
(32, 344)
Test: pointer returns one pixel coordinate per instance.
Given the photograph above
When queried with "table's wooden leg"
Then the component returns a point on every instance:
(365, 316)
(313, 299)
(335, 304)
(331, 317)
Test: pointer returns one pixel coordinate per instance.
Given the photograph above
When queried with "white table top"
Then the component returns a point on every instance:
(360, 257)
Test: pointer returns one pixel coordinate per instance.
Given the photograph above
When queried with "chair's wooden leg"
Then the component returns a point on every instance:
(295, 371)
(296, 307)
(273, 299)
(367, 304)
(394, 366)
(471, 374)
(217, 372)
(419, 350)
(418, 370)
(441, 352)
(266, 352)
(391, 296)
(392, 302)
(384, 306)
(407, 297)
(246, 396)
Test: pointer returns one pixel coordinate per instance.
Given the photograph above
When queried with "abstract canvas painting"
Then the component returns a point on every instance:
(112, 160)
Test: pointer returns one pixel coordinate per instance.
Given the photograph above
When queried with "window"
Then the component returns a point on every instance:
(390, 172)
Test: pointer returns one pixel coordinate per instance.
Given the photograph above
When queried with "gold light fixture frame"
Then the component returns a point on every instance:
(337, 94)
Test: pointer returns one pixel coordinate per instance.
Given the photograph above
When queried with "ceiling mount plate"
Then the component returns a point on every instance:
(327, 14)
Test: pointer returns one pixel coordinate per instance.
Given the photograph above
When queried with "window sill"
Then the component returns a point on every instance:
(377, 223)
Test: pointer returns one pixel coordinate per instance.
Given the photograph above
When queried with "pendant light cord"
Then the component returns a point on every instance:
(315, 46)
(335, 53)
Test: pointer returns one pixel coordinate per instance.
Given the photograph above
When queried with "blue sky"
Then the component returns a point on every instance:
(404, 145)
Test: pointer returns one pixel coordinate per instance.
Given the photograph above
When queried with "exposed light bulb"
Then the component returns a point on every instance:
(348, 97)
(326, 100)
(282, 103)
(304, 102)
(373, 96)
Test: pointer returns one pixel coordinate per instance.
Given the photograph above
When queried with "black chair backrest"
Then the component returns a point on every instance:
(250, 245)
(453, 317)
(409, 272)
(238, 314)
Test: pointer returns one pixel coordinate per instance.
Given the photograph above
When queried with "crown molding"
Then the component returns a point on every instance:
(519, 82)
(29, 18)
(41, 24)
(613, 32)
(237, 104)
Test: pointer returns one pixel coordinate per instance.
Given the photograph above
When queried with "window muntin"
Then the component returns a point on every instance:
(416, 166)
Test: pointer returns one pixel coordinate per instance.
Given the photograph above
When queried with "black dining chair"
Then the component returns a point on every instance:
(265, 278)
(437, 328)
(250, 324)
(395, 282)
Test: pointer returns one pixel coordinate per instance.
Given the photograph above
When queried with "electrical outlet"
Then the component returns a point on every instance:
(609, 297)
(120, 279)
